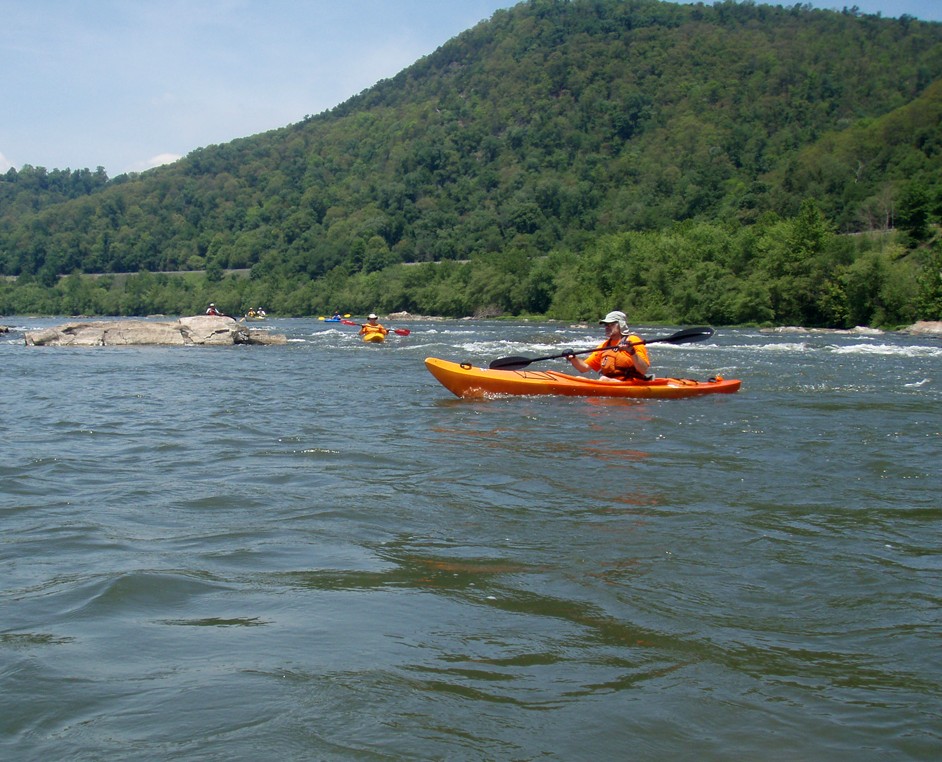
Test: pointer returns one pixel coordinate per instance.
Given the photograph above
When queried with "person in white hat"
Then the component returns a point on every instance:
(622, 356)
(372, 328)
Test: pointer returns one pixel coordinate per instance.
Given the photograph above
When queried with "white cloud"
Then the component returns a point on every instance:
(161, 159)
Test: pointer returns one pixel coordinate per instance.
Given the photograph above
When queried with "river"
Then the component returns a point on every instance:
(315, 552)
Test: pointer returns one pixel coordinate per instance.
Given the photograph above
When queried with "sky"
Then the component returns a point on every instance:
(131, 84)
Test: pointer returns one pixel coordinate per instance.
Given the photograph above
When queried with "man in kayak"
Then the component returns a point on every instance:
(372, 328)
(617, 358)
(211, 310)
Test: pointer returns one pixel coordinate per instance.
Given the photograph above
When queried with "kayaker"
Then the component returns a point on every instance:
(372, 328)
(211, 310)
(616, 358)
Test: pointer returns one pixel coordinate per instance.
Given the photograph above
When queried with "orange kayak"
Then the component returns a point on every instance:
(464, 380)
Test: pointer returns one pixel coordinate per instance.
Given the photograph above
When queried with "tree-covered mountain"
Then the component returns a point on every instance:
(553, 128)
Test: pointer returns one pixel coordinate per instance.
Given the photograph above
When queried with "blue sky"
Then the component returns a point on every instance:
(130, 84)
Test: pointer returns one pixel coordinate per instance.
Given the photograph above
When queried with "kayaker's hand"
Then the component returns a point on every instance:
(569, 354)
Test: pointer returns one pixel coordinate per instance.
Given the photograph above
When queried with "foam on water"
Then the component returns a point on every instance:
(888, 349)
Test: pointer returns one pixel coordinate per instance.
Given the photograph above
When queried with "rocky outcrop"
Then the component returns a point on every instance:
(202, 330)
(409, 316)
(925, 328)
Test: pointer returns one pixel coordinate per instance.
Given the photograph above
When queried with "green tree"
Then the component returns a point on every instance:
(912, 213)
(930, 284)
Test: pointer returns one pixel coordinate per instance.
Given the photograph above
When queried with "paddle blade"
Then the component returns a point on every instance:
(350, 322)
(401, 331)
(687, 336)
(510, 363)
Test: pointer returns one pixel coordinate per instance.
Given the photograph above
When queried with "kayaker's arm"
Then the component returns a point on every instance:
(641, 365)
(578, 363)
(591, 363)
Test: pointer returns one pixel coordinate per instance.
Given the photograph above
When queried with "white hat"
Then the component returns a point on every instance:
(616, 316)
(371, 316)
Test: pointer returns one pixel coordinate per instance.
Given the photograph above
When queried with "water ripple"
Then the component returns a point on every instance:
(314, 551)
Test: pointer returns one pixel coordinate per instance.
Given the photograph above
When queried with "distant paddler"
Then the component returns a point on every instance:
(335, 318)
(372, 331)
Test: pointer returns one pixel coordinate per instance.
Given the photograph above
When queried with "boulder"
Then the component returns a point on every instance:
(925, 328)
(203, 330)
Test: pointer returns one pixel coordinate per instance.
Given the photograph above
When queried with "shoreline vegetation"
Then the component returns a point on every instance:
(782, 272)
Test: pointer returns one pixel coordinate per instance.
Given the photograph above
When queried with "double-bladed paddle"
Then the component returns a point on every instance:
(398, 331)
(683, 336)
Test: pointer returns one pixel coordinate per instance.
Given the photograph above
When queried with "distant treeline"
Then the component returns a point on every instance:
(794, 271)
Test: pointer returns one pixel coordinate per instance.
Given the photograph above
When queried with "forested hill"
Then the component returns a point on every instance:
(548, 125)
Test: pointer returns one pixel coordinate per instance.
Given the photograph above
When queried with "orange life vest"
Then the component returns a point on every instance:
(368, 329)
(617, 362)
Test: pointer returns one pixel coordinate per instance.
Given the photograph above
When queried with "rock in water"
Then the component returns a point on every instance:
(187, 331)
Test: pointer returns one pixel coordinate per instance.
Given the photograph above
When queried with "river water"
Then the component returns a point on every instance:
(315, 552)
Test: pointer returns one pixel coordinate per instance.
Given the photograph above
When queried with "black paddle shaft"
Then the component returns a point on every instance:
(683, 336)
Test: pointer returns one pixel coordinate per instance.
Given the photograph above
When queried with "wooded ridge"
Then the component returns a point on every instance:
(724, 163)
